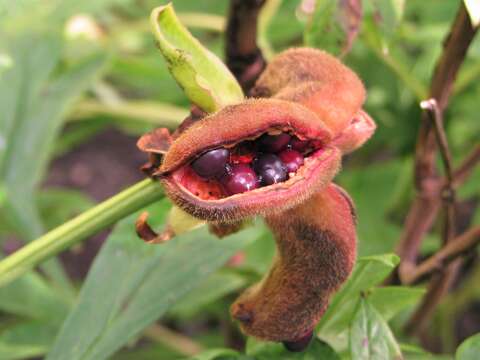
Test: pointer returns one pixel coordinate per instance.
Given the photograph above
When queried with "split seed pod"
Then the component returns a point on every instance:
(313, 97)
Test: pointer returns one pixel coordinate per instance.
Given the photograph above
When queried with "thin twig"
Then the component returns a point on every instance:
(461, 174)
(459, 246)
(436, 117)
(448, 193)
(243, 56)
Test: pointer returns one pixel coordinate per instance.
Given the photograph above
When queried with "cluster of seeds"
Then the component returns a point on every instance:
(268, 160)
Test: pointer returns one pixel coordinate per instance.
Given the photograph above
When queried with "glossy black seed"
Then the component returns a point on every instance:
(212, 163)
(270, 169)
(274, 143)
(240, 178)
(299, 344)
(292, 160)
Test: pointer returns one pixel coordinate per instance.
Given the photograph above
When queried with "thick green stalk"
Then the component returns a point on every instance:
(79, 228)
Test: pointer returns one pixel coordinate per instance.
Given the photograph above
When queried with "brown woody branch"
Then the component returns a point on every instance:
(425, 207)
(243, 56)
(448, 193)
(459, 246)
(426, 177)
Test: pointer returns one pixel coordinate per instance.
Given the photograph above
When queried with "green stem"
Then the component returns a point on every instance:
(158, 114)
(79, 228)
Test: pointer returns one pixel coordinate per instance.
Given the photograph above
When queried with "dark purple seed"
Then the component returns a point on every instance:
(239, 179)
(299, 344)
(292, 160)
(212, 163)
(299, 145)
(274, 143)
(270, 169)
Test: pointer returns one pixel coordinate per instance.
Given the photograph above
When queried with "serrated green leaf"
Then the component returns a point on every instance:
(207, 82)
(370, 335)
(369, 271)
(469, 349)
(131, 284)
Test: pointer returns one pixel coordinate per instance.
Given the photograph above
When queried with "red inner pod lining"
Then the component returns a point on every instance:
(244, 152)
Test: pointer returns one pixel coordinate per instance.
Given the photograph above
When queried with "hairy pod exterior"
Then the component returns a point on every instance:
(316, 244)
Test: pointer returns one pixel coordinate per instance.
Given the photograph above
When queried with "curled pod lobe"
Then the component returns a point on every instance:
(316, 244)
(322, 83)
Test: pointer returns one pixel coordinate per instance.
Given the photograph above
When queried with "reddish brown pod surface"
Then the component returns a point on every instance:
(275, 155)
(322, 83)
(316, 252)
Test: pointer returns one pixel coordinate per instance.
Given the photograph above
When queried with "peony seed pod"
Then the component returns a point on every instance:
(275, 155)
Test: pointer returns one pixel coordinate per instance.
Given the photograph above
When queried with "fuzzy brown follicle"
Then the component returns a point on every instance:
(316, 244)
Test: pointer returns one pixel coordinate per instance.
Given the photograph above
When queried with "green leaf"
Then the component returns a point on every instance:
(5, 63)
(131, 284)
(35, 112)
(31, 297)
(376, 233)
(390, 300)
(154, 351)
(220, 354)
(469, 349)
(259, 255)
(3, 195)
(369, 271)
(205, 79)
(33, 58)
(58, 205)
(334, 25)
(26, 340)
(213, 288)
(32, 107)
(370, 335)
(387, 15)
(262, 350)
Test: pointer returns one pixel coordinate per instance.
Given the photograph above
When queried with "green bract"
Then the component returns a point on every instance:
(205, 79)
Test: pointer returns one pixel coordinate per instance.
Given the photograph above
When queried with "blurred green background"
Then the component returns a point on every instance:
(81, 80)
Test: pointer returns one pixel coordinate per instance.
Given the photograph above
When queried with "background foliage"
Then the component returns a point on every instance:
(75, 73)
